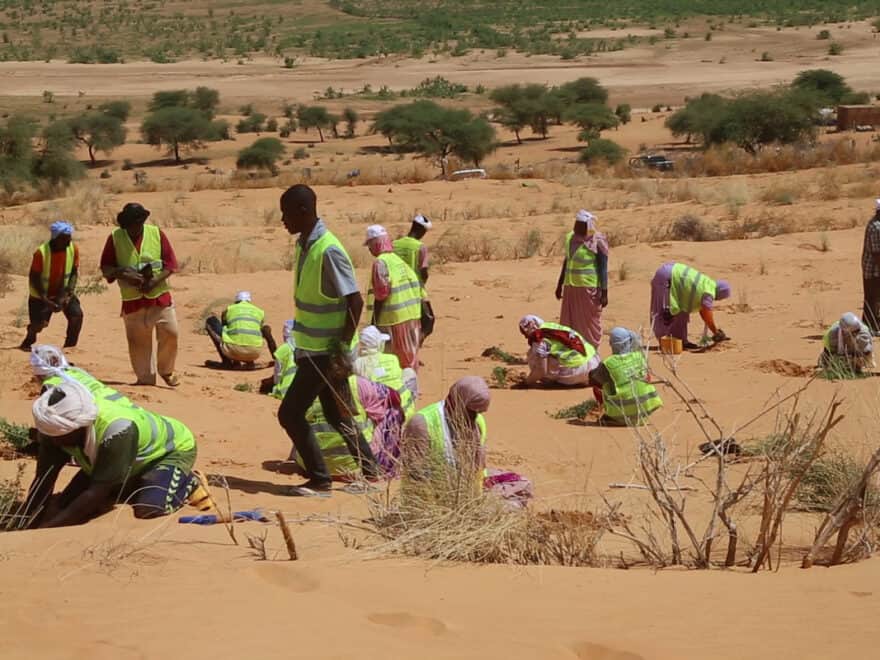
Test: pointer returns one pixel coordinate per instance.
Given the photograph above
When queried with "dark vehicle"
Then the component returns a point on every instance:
(653, 161)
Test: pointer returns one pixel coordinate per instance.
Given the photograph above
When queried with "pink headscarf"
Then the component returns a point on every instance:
(471, 392)
(594, 239)
(380, 245)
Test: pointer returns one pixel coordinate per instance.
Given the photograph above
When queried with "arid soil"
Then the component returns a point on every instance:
(120, 588)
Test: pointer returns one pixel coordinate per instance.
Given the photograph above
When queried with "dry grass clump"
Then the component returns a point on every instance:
(692, 228)
(85, 203)
(13, 514)
(17, 245)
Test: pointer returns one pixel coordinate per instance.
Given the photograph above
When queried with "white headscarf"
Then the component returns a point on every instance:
(530, 323)
(243, 296)
(287, 332)
(372, 341)
(48, 360)
(75, 410)
(587, 218)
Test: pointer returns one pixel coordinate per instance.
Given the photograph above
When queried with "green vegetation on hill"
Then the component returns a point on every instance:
(166, 30)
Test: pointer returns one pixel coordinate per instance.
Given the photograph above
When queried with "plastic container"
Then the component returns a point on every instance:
(671, 345)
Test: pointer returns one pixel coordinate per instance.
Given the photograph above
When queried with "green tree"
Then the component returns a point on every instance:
(16, 150)
(205, 100)
(119, 109)
(601, 149)
(177, 128)
(351, 119)
(313, 116)
(624, 113)
(54, 157)
(174, 98)
(98, 132)
(698, 117)
(831, 86)
(522, 106)
(583, 90)
(592, 119)
(263, 154)
(253, 123)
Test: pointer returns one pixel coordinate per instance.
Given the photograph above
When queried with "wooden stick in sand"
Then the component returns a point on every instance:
(288, 537)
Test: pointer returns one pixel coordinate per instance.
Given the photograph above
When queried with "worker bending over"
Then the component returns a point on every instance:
(372, 363)
(848, 346)
(627, 391)
(239, 334)
(123, 452)
(557, 354)
(679, 290)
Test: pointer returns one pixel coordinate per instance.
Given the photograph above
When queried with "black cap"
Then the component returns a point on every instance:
(132, 213)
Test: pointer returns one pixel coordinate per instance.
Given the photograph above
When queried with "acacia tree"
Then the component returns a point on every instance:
(314, 116)
(592, 118)
(351, 118)
(177, 128)
(98, 132)
(263, 154)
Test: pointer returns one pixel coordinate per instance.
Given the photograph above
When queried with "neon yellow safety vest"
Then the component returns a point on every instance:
(389, 373)
(405, 301)
(687, 288)
(284, 356)
(158, 436)
(319, 320)
(98, 389)
(566, 356)
(580, 268)
(244, 325)
(127, 256)
(338, 458)
(408, 248)
(46, 252)
(438, 431)
(629, 398)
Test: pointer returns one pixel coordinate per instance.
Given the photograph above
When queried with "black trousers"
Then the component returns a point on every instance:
(313, 380)
(871, 304)
(39, 314)
(214, 328)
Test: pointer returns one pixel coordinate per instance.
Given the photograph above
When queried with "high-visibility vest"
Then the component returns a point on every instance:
(687, 288)
(629, 397)
(319, 320)
(438, 431)
(389, 373)
(244, 325)
(581, 268)
(568, 357)
(46, 252)
(336, 455)
(408, 248)
(98, 389)
(285, 357)
(405, 301)
(128, 256)
(158, 436)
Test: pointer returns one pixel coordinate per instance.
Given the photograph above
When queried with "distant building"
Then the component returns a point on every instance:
(850, 116)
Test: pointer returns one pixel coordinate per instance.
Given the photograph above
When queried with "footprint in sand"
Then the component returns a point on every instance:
(403, 620)
(286, 577)
(590, 651)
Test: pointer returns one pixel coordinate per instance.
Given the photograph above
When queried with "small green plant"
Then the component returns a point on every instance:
(498, 354)
(499, 377)
(838, 368)
(823, 34)
(243, 387)
(15, 435)
(93, 286)
(835, 48)
(766, 56)
(622, 271)
(577, 411)
(300, 154)
(824, 242)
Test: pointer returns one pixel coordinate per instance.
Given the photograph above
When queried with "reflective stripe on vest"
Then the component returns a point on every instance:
(244, 325)
(687, 288)
(158, 436)
(438, 431)
(333, 448)
(284, 357)
(319, 320)
(629, 398)
(404, 302)
(408, 248)
(46, 253)
(98, 389)
(128, 256)
(390, 374)
(566, 356)
(580, 268)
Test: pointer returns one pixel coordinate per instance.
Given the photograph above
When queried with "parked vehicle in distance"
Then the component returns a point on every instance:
(652, 161)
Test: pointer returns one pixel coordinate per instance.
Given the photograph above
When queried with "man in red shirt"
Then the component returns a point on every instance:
(52, 280)
(140, 258)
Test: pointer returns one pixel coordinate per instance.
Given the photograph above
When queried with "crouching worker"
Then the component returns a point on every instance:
(627, 392)
(284, 357)
(374, 364)
(238, 336)
(557, 354)
(444, 453)
(124, 454)
(849, 346)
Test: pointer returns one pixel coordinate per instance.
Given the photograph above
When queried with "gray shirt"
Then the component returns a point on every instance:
(337, 273)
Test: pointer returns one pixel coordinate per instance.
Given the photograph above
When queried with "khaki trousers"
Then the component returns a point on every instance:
(139, 328)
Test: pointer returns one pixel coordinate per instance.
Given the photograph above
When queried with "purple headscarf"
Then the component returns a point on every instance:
(722, 289)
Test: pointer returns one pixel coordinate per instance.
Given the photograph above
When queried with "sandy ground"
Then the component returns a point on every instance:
(120, 588)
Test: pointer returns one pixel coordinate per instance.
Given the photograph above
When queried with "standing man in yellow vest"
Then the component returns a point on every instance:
(328, 308)
(394, 299)
(54, 270)
(238, 336)
(140, 258)
(412, 250)
(583, 280)
(679, 290)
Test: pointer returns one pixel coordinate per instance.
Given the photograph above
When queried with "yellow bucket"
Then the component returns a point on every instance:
(671, 345)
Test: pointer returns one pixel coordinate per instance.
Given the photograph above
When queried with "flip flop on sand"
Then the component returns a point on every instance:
(358, 488)
(305, 491)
